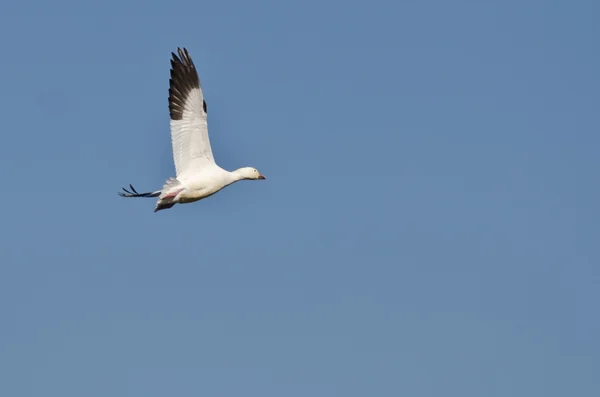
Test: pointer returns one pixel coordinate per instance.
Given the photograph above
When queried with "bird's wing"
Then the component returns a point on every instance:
(189, 131)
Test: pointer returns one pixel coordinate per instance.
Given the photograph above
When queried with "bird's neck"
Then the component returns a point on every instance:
(236, 176)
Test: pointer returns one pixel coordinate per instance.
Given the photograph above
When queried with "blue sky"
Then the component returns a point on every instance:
(429, 225)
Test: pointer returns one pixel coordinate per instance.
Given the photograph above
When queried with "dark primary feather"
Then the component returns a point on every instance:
(134, 193)
(184, 78)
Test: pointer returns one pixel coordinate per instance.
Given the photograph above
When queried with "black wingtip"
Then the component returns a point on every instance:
(182, 56)
(184, 78)
(132, 193)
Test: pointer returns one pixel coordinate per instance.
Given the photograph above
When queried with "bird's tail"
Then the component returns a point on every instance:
(134, 193)
(169, 192)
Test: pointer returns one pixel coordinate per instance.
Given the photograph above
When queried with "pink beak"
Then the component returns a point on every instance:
(261, 177)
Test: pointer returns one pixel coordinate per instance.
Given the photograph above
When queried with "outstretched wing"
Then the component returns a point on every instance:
(189, 130)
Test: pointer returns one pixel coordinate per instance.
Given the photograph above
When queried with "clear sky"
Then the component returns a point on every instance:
(429, 225)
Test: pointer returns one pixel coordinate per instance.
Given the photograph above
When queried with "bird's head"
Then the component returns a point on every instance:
(249, 173)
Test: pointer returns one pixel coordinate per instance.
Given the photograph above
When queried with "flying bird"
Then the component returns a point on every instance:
(197, 174)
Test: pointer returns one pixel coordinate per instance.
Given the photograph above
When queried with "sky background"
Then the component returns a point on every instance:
(429, 225)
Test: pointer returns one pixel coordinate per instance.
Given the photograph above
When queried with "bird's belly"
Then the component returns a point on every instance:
(195, 195)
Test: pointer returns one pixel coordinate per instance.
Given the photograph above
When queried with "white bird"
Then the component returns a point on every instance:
(197, 174)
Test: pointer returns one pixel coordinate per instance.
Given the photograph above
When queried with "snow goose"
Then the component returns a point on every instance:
(197, 174)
